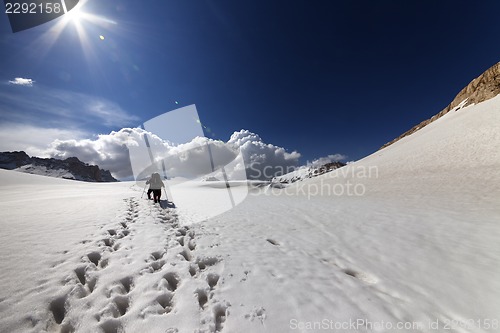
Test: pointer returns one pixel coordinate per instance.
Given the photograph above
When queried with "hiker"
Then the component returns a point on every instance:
(155, 185)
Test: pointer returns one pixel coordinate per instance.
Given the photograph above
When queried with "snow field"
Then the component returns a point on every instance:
(128, 273)
(420, 247)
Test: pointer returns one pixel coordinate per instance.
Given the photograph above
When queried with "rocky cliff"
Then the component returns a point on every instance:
(482, 88)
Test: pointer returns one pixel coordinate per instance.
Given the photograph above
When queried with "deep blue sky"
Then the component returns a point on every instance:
(320, 77)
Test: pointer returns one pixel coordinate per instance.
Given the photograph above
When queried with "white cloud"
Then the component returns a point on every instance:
(263, 161)
(114, 151)
(19, 81)
(108, 151)
(192, 159)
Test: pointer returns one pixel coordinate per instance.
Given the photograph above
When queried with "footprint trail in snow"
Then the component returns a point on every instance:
(142, 273)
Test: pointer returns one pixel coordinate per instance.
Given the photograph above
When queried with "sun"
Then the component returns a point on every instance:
(75, 14)
(87, 27)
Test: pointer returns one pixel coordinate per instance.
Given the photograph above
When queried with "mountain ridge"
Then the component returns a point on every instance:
(70, 168)
(482, 88)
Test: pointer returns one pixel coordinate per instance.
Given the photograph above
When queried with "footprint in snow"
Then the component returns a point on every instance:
(122, 286)
(205, 262)
(58, 308)
(124, 233)
(186, 254)
(220, 312)
(259, 314)
(202, 297)
(272, 241)
(193, 269)
(81, 274)
(94, 258)
(166, 301)
(122, 304)
(154, 266)
(108, 242)
(191, 245)
(157, 255)
(212, 280)
(364, 277)
(85, 281)
(111, 326)
(170, 281)
(181, 231)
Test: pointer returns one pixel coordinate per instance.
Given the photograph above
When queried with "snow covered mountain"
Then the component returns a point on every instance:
(305, 172)
(482, 88)
(70, 168)
(404, 240)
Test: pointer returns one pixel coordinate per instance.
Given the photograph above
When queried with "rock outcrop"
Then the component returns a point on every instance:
(482, 88)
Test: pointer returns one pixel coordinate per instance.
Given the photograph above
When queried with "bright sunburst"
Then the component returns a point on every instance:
(87, 26)
(74, 14)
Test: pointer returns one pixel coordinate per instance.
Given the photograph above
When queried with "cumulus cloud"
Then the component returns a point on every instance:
(125, 154)
(108, 151)
(19, 81)
(263, 160)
